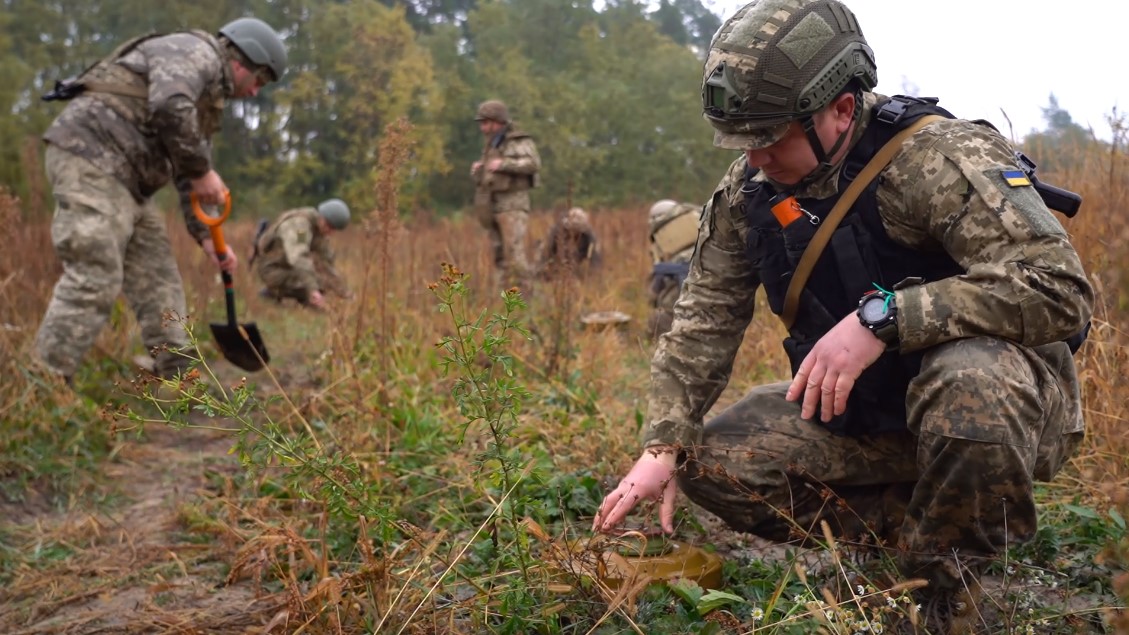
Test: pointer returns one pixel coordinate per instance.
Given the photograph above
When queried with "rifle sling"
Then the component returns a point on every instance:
(827, 228)
(117, 89)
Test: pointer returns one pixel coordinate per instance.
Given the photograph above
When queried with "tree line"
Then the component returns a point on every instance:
(609, 90)
(610, 93)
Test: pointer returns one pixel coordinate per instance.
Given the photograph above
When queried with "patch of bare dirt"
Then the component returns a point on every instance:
(129, 565)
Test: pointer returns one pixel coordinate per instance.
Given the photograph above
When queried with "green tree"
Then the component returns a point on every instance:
(1060, 145)
(366, 71)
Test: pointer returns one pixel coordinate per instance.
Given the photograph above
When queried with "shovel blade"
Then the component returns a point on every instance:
(241, 345)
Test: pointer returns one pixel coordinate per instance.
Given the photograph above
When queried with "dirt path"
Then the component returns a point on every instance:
(130, 565)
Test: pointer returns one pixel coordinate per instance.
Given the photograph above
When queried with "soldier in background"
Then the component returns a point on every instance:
(293, 258)
(673, 228)
(570, 248)
(508, 169)
(136, 119)
(933, 381)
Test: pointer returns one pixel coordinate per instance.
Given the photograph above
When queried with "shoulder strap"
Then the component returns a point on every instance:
(819, 242)
(116, 89)
(141, 92)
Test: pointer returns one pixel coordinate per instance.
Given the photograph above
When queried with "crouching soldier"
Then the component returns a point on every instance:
(293, 258)
(570, 247)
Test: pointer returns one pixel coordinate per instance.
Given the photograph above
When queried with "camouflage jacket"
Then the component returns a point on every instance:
(521, 165)
(568, 245)
(1023, 281)
(293, 242)
(144, 142)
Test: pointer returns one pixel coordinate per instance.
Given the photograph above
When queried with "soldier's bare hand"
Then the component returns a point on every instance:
(229, 262)
(317, 300)
(828, 373)
(210, 188)
(475, 167)
(652, 478)
(494, 165)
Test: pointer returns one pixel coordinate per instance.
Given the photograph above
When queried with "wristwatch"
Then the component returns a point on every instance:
(878, 313)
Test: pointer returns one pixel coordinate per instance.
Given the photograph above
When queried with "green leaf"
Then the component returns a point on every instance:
(717, 599)
(1117, 519)
(688, 590)
(1084, 512)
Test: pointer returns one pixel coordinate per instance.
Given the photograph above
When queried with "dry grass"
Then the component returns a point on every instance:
(367, 362)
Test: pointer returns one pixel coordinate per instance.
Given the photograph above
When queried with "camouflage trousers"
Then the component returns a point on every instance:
(986, 418)
(505, 216)
(282, 281)
(108, 244)
(507, 241)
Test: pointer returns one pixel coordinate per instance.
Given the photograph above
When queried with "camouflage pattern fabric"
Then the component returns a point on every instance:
(108, 243)
(570, 247)
(144, 142)
(502, 198)
(664, 290)
(764, 470)
(295, 258)
(996, 404)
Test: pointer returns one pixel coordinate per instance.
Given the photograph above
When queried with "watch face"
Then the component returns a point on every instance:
(874, 309)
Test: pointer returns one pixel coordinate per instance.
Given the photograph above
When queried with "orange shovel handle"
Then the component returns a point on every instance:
(213, 222)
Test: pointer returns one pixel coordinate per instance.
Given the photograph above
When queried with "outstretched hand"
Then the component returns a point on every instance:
(828, 373)
(652, 478)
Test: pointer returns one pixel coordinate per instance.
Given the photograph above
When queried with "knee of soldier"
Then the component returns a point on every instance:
(734, 498)
(974, 379)
(969, 362)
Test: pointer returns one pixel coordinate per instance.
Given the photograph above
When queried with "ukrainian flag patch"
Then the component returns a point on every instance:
(1015, 178)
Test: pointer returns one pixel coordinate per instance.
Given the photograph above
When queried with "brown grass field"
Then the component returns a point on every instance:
(111, 526)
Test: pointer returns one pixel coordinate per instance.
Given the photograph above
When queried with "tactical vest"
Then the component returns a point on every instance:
(106, 76)
(859, 254)
(269, 236)
(502, 181)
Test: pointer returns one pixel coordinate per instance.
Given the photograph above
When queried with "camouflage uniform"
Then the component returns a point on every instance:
(293, 257)
(107, 154)
(995, 405)
(501, 198)
(570, 246)
(670, 254)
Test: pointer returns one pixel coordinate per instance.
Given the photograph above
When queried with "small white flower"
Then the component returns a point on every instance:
(758, 614)
(861, 591)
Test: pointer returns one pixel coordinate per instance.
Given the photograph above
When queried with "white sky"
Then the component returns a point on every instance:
(979, 56)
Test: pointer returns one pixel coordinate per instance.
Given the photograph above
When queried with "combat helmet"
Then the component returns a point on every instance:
(492, 110)
(661, 212)
(776, 61)
(335, 212)
(576, 218)
(259, 42)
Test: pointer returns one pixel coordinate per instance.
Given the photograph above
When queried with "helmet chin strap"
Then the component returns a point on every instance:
(824, 156)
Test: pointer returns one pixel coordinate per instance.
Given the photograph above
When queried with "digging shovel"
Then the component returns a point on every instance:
(241, 344)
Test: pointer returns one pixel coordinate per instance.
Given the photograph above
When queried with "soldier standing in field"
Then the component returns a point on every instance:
(293, 258)
(508, 169)
(673, 228)
(930, 335)
(138, 119)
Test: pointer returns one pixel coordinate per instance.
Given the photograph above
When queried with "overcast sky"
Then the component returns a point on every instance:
(981, 56)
